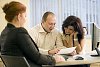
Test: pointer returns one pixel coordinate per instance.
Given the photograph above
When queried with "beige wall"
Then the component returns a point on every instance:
(3, 22)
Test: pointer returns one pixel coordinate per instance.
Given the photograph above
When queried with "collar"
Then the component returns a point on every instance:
(41, 28)
(10, 25)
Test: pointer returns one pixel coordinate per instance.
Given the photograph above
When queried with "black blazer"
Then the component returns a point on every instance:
(17, 42)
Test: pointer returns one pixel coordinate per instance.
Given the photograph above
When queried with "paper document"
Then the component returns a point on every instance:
(66, 50)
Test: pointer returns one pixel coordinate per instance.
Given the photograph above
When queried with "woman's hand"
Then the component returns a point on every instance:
(58, 58)
(75, 35)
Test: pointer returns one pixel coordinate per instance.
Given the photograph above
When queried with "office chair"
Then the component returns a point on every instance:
(14, 61)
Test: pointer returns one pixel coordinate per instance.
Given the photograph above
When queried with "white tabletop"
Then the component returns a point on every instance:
(87, 60)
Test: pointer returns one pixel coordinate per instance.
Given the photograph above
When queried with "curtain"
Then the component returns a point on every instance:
(86, 10)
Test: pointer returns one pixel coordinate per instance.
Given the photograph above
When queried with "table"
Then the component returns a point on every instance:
(1, 63)
(87, 60)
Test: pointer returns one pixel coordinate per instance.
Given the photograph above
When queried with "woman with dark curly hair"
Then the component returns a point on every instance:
(73, 34)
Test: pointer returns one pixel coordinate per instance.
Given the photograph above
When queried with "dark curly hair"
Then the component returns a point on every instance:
(76, 23)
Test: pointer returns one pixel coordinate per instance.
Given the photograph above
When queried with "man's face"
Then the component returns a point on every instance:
(50, 22)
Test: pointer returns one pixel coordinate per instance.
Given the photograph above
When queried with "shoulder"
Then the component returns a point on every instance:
(35, 28)
(19, 30)
(56, 31)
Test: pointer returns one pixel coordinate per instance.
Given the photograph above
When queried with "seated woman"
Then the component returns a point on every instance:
(15, 40)
(73, 34)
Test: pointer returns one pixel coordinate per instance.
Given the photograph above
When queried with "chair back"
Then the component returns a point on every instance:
(14, 61)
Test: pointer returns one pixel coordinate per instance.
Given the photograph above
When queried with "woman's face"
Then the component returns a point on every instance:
(69, 30)
(22, 18)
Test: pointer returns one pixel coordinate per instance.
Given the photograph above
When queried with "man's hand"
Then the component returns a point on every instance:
(53, 51)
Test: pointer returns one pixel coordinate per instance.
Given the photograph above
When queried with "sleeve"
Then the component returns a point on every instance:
(33, 34)
(59, 41)
(29, 49)
(0, 42)
(43, 51)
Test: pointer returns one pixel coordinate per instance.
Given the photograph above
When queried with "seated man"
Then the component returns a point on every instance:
(47, 38)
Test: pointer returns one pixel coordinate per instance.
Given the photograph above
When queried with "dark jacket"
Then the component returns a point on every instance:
(17, 42)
